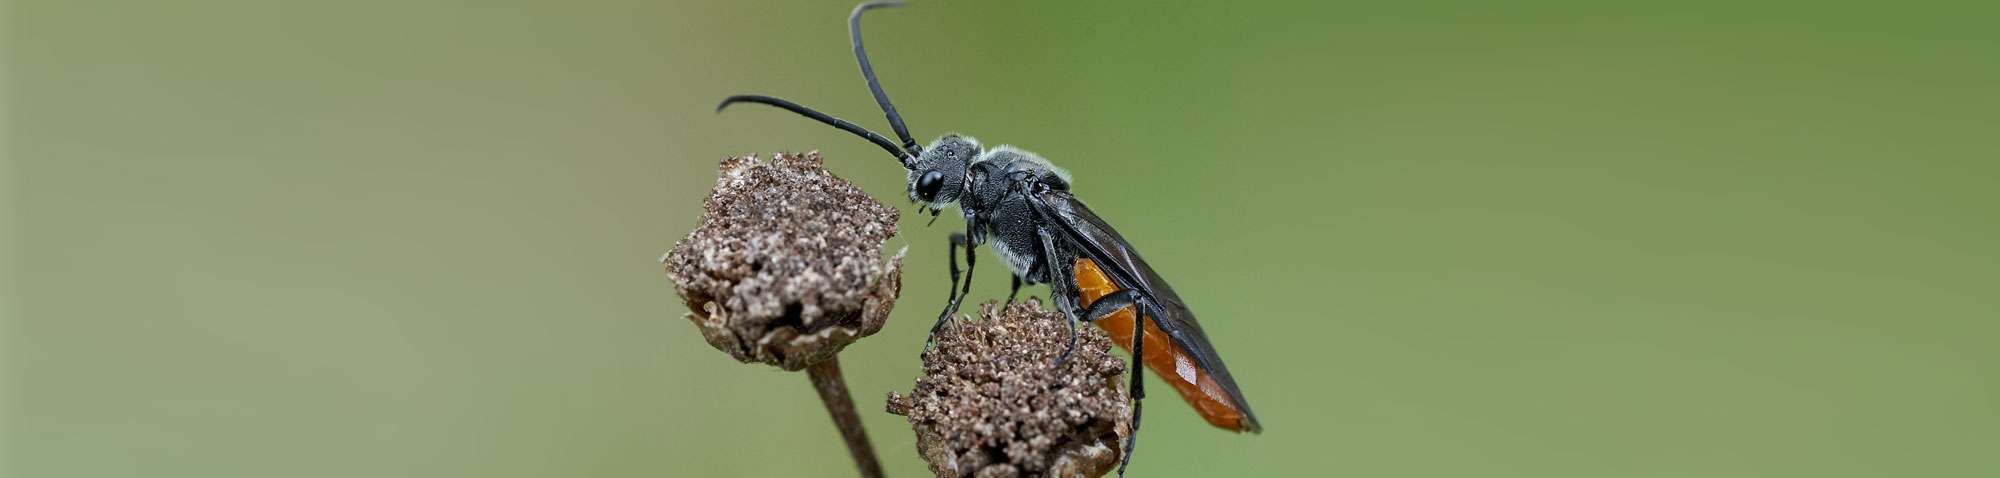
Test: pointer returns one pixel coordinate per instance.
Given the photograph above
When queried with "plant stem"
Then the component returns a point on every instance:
(832, 389)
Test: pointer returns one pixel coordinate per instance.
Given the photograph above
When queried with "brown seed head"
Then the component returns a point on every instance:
(786, 267)
(992, 401)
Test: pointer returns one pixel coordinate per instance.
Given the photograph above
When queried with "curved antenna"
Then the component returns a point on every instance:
(908, 159)
(868, 72)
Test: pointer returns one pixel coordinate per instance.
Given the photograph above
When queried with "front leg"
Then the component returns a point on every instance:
(1015, 291)
(971, 256)
(951, 302)
(971, 243)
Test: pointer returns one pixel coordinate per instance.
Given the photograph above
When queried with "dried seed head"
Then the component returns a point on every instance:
(786, 267)
(993, 402)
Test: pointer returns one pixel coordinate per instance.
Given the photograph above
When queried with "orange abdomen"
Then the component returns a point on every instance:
(1166, 358)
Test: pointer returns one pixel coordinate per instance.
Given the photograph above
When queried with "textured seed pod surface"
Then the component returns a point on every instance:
(786, 267)
(994, 402)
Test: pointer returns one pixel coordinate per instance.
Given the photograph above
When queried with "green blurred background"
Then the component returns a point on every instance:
(379, 238)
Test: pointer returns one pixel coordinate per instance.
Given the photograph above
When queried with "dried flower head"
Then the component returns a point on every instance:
(786, 267)
(993, 402)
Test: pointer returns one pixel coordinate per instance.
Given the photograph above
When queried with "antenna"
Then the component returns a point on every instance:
(908, 159)
(868, 72)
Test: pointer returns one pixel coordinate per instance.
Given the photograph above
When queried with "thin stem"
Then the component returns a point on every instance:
(833, 390)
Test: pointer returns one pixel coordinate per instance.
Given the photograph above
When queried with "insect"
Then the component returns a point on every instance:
(1022, 205)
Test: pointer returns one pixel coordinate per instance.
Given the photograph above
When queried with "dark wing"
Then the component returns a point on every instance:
(1068, 219)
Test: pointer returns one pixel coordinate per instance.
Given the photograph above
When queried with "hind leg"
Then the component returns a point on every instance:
(1104, 307)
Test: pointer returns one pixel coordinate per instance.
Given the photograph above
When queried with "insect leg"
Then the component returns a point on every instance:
(951, 306)
(1104, 307)
(971, 256)
(1062, 291)
(1016, 290)
(1109, 304)
(1138, 380)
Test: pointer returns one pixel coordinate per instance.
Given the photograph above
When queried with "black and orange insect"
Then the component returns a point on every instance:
(1022, 205)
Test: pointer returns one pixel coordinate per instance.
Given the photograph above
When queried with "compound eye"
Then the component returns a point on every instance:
(929, 184)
